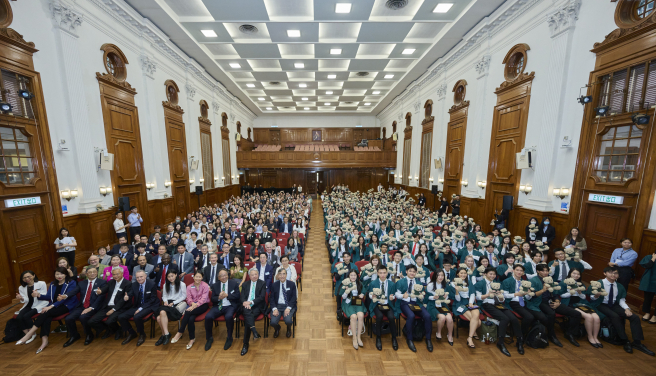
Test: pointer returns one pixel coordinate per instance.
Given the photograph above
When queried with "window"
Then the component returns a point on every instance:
(16, 163)
(628, 90)
(227, 170)
(426, 145)
(206, 152)
(644, 8)
(11, 84)
(515, 65)
(618, 154)
(406, 162)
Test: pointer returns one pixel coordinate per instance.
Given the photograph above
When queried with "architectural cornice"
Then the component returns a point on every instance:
(564, 18)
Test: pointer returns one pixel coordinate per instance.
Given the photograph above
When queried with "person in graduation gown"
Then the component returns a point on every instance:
(469, 250)
(449, 270)
(491, 255)
(353, 305)
(361, 251)
(540, 308)
(577, 300)
(348, 265)
(559, 268)
(396, 268)
(404, 300)
(615, 308)
(342, 247)
(388, 288)
(505, 270)
(440, 313)
(384, 255)
(366, 278)
(423, 273)
(464, 304)
(472, 273)
(648, 286)
(504, 246)
(530, 265)
(429, 257)
(374, 246)
(516, 299)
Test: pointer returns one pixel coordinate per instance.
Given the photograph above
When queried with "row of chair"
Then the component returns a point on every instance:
(366, 148)
(267, 148)
(316, 148)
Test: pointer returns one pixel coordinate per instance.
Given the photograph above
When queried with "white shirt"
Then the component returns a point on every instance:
(621, 302)
(118, 223)
(479, 296)
(176, 296)
(117, 288)
(225, 301)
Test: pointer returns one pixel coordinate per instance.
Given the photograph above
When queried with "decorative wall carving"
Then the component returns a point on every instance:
(441, 92)
(191, 91)
(483, 66)
(148, 65)
(66, 18)
(564, 18)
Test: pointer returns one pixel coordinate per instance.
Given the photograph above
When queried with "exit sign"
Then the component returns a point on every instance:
(26, 201)
(618, 200)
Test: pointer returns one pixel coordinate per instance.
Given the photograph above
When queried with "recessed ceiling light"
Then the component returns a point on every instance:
(389, 76)
(408, 51)
(235, 65)
(376, 92)
(302, 85)
(367, 104)
(268, 108)
(329, 92)
(335, 51)
(327, 104)
(332, 76)
(209, 33)
(304, 99)
(442, 7)
(293, 33)
(299, 65)
(343, 8)
(260, 99)
(306, 108)
(250, 85)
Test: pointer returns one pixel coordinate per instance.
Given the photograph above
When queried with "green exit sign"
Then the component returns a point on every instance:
(25, 201)
(618, 200)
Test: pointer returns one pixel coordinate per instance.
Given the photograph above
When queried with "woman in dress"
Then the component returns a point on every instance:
(174, 296)
(578, 300)
(353, 305)
(256, 249)
(464, 305)
(238, 271)
(212, 247)
(291, 250)
(575, 240)
(440, 313)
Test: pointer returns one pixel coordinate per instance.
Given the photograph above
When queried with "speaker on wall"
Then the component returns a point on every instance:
(124, 204)
(508, 202)
(434, 189)
(199, 189)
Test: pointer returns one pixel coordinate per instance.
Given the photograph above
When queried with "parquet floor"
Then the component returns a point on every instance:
(318, 348)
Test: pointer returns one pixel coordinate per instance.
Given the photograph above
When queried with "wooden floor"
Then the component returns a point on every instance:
(318, 348)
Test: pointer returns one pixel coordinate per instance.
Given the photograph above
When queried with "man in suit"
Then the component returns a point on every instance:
(142, 265)
(157, 259)
(403, 289)
(387, 289)
(282, 303)
(253, 292)
(117, 247)
(266, 236)
(202, 259)
(264, 270)
(184, 260)
(172, 248)
(126, 255)
(560, 267)
(234, 233)
(225, 302)
(140, 250)
(94, 263)
(89, 304)
(285, 227)
(211, 271)
(272, 259)
(114, 305)
(226, 259)
(144, 292)
(158, 275)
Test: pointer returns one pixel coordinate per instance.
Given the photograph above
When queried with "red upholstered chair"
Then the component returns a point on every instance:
(188, 279)
(360, 264)
(299, 272)
(151, 316)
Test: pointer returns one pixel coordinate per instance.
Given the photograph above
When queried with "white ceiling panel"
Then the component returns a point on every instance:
(286, 10)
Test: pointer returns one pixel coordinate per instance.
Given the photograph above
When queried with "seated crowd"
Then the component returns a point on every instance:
(392, 259)
(238, 262)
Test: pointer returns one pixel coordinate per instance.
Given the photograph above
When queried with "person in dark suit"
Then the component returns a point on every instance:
(265, 271)
(253, 292)
(158, 275)
(126, 255)
(547, 232)
(114, 304)
(282, 303)
(211, 271)
(144, 292)
(117, 247)
(141, 249)
(225, 302)
(285, 227)
(89, 304)
(421, 201)
(226, 258)
(141, 265)
(266, 236)
(157, 258)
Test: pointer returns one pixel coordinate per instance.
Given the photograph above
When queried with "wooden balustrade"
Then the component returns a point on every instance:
(315, 159)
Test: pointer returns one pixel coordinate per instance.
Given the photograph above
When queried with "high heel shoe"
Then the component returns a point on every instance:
(39, 350)
(472, 346)
(360, 342)
(190, 346)
(450, 342)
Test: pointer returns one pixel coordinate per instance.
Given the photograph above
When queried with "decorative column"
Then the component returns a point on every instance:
(561, 24)
(217, 145)
(439, 138)
(233, 144)
(192, 149)
(67, 23)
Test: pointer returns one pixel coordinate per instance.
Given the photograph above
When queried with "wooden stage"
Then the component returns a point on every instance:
(318, 348)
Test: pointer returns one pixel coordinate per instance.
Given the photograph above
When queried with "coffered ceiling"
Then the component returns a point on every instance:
(315, 56)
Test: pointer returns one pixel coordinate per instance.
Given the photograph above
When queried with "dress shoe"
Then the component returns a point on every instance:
(289, 332)
(256, 335)
(72, 340)
(643, 348)
(141, 340)
(88, 340)
(395, 344)
(276, 331)
(39, 351)
(520, 346)
(130, 337)
(411, 345)
(31, 339)
(108, 333)
(628, 348)
(244, 349)
(228, 343)
(571, 340)
(556, 341)
(504, 350)
(208, 344)
(167, 339)
(118, 335)
(379, 343)
(429, 345)
(160, 341)
(600, 346)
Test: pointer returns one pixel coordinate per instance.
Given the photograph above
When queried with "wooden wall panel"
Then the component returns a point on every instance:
(288, 136)
(321, 159)
(361, 179)
(92, 230)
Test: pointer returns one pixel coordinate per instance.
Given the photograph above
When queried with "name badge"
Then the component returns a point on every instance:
(120, 289)
(267, 273)
(461, 309)
(147, 292)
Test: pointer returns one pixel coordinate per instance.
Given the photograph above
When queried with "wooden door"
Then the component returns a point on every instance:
(604, 226)
(27, 239)
(455, 151)
(321, 184)
(178, 165)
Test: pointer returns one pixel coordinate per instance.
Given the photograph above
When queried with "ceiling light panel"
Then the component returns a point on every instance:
(209, 33)
(343, 8)
(294, 33)
(335, 51)
(442, 7)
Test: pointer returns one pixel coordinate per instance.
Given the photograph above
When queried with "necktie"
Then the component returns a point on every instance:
(252, 295)
(564, 271)
(520, 298)
(163, 279)
(385, 288)
(282, 292)
(611, 295)
(180, 262)
(141, 294)
(410, 287)
(223, 288)
(212, 274)
(489, 256)
(87, 297)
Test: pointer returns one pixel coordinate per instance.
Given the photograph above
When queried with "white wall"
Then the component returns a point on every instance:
(514, 22)
(318, 121)
(68, 60)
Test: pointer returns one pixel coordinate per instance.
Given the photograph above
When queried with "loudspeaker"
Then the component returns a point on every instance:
(124, 204)
(199, 189)
(508, 202)
(434, 189)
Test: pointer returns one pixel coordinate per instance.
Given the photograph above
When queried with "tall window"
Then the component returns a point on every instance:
(206, 151)
(10, 85)
(16, 165)
(406, 161)
(629, 89)
(618, 154)
(227, 172)
(426, 145)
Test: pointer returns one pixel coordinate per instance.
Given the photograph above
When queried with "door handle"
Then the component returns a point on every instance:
(14, 261)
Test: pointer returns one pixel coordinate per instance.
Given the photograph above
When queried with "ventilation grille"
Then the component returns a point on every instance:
(248, 29)
(396, 4)
(274, 83)
(362, 74)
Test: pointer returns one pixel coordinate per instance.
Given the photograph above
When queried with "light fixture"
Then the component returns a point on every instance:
(481, 184)
(640, 119)
(464, 183)
(294, 33)
(5, 107)
(408, 51)
(442, 7)
(584, 99)
(367, 104)
(105, 191)
(150, 186)
(306, 108)
(299, 65)
(329, 92)
(73, 193)
(409, 177)
(66, 195)
(268, 108)
(416, 177)
(602, 111)
(222, 177)
(304, 99)
(343, 8)
(260, 99)
(376, 92)
(302, 85)
(440, 180)
(389, 76)
(250, 85)
(233, 177)
(327, 104)
(525, 188)
(209, 33)
(167, 184)
(191, 181)
(335, 51)
(332, 76)
(235, 65)
(430, 179)
(561, 192)
(25, 94)
(201, 180)
(216, 178)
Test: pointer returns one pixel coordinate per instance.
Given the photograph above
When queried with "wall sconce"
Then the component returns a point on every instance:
(482, 184)
(222, 177)
(167, 184)
(430, 179)
(216, 178)
(562, 192)
(416, 177)
(68, 195)
(191, 181)
(105, 191)
(440, 180)
(233, 177)
(201, 180)
(525, 188)
(464, 183)
(150, 186)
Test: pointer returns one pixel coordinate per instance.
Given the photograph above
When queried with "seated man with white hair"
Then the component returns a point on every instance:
(253, 292)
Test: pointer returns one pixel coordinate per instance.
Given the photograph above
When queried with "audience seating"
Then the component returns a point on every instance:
(268, 148)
